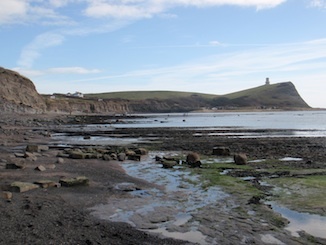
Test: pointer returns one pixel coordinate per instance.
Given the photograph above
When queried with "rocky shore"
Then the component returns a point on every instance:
(68, 181)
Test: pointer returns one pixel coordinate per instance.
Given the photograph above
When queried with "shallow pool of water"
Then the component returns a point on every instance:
(312, 224)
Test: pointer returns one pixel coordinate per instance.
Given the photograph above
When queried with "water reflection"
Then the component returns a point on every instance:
(310, 223)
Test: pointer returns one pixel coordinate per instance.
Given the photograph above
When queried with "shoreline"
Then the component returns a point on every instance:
(64, 210)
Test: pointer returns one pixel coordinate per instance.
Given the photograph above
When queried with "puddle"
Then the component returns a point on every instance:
(95, 140)
(312, 224)
(191, 236)
(168, 210)
(291, 159)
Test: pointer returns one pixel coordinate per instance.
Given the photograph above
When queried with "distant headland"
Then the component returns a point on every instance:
(18, 94)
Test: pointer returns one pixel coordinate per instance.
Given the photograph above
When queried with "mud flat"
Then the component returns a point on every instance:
(136, 202)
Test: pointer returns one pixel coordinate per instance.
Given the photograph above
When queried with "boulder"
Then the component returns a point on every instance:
(193, 160)
(121, 156)
(18, 186)
(130, 152)
(134, 157)
(106, 157)
(240, 159)
(78, 181)
(141, 151)
(221, 151)
(113, 156)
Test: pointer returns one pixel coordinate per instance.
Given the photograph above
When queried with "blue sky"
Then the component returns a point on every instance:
(209, 46)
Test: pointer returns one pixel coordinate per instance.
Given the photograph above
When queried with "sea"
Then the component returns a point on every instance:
(269, 123)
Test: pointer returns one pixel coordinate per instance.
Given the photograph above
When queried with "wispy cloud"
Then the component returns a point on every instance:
(56, 70)
(318, 4)
(282, 60)
(33, 50)
(72, 70)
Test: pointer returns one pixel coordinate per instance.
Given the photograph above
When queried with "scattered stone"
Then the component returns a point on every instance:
(134, 157)
(78, 181)
(254, 200)
(60, 160)
(77, 155)
(240, 159)
(30, 156)
(141, 151)
(114, 156)
(63, 155)
(51, 166)
(158, 158)
(126, 187)
(36, 148)
(20, 155)
(106, 157)
(7, 195)
(46, 183)
(168, 164)
(18, 186)
(15, 166)
(40, 168)
(122, 156)
(221, 151)
(130, 153)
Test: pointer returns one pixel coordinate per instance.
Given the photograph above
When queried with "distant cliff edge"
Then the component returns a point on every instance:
(18, 94)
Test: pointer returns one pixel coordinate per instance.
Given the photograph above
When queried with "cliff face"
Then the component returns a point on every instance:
(18, 94)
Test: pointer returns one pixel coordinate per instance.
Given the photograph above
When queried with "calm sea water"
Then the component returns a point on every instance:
(296, 123)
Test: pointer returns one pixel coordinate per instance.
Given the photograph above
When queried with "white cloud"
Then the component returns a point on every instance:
(40, 12)
(136, 9)
(31, 73)
(318, 3)
(12, 10)
(33, 50)
(72, 70)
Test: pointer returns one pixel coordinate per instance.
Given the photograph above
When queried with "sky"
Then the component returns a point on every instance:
(207, 46)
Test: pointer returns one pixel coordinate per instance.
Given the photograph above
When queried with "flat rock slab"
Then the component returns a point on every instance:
(126, 187)
(18, 186)
(46, 183)
(78, 181)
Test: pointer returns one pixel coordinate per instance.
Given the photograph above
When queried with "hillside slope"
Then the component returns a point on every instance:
(18, 93)
(280, 95)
